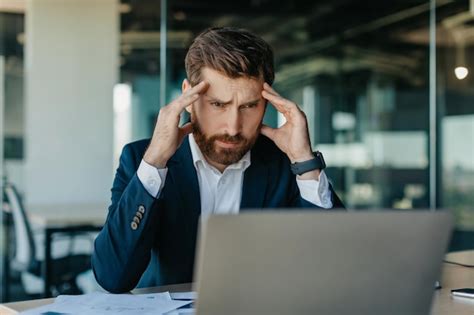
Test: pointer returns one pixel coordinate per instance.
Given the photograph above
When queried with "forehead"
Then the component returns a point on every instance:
(226, 88)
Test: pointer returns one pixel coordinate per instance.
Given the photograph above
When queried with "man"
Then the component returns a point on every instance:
(223, 161)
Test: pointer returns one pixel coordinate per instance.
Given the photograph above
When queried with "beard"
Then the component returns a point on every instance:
(223, 156)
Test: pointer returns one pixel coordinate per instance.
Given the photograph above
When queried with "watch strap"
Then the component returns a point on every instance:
(317, 162)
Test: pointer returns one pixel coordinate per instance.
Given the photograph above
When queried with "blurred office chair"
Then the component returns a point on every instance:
(66, 269)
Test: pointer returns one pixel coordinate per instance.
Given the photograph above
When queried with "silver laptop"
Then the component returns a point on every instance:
(320, 262)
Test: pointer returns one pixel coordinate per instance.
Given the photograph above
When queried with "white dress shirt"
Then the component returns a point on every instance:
(221, 192)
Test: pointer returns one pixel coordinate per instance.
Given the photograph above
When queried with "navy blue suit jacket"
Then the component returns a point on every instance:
(166, 235)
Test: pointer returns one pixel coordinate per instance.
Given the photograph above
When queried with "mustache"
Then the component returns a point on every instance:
(228, 138)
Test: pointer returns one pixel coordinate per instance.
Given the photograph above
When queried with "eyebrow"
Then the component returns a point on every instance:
(215, 99)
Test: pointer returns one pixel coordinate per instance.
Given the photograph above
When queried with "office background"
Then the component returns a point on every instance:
(387, 87)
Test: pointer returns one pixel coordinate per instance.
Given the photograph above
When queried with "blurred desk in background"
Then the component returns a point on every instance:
(63, 219)
(70, 219)
(61, 215)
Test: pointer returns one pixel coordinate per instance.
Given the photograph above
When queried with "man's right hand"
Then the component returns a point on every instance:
(167, 136)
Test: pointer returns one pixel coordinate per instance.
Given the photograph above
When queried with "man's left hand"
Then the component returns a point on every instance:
(292, 137)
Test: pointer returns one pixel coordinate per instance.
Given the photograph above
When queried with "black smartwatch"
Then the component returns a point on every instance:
(315, 163)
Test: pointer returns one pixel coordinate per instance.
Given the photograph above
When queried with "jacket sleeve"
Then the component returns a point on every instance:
(122, 250)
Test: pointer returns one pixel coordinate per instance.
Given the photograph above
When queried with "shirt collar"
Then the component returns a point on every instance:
(198, 158)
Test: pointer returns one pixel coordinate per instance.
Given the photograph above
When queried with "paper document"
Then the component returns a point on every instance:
(99, 303)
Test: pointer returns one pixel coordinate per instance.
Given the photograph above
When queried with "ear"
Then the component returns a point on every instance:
(184, 87)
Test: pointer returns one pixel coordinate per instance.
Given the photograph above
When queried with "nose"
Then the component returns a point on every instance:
(233, 122)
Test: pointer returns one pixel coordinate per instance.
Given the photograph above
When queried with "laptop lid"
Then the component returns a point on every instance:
(289, 262)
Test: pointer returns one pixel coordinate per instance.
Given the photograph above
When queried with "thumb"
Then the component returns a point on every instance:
(268, 132)
(185, 130)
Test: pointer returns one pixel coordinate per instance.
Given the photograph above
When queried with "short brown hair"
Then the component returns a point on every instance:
(232, 51)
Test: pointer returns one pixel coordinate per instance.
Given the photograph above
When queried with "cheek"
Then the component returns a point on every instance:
(208, 119)
(200, 112)
(258, 115)
(252, 122)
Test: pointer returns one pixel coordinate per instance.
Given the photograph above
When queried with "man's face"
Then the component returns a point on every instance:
(227, 116)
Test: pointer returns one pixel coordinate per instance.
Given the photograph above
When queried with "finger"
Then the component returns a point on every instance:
(186, 129)
(189, 96)
(184, 101)
(267, 87)
(286, 103)
(268, 132)
(198, 88)
(281, 104)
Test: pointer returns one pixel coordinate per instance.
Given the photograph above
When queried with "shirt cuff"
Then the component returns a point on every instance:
(316, 192)
(152, 178)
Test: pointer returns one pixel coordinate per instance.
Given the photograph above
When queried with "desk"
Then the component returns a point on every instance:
(453, 276)
(60, 215)
(63, 218)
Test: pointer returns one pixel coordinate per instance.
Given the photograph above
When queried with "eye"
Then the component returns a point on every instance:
(217, 104)
(253, 105)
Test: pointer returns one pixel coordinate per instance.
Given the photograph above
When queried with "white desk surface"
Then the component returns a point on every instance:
(443, 303)
(67, 214)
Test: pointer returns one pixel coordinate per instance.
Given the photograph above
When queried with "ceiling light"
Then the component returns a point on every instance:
(461, 72)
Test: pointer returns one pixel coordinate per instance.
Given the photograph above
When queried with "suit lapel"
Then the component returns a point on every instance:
(255, 182)
(183, 174)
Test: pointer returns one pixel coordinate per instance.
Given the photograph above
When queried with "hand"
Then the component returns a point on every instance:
(167, 136)
(292, 138)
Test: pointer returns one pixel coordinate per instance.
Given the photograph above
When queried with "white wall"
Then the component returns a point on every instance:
(71, 67)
